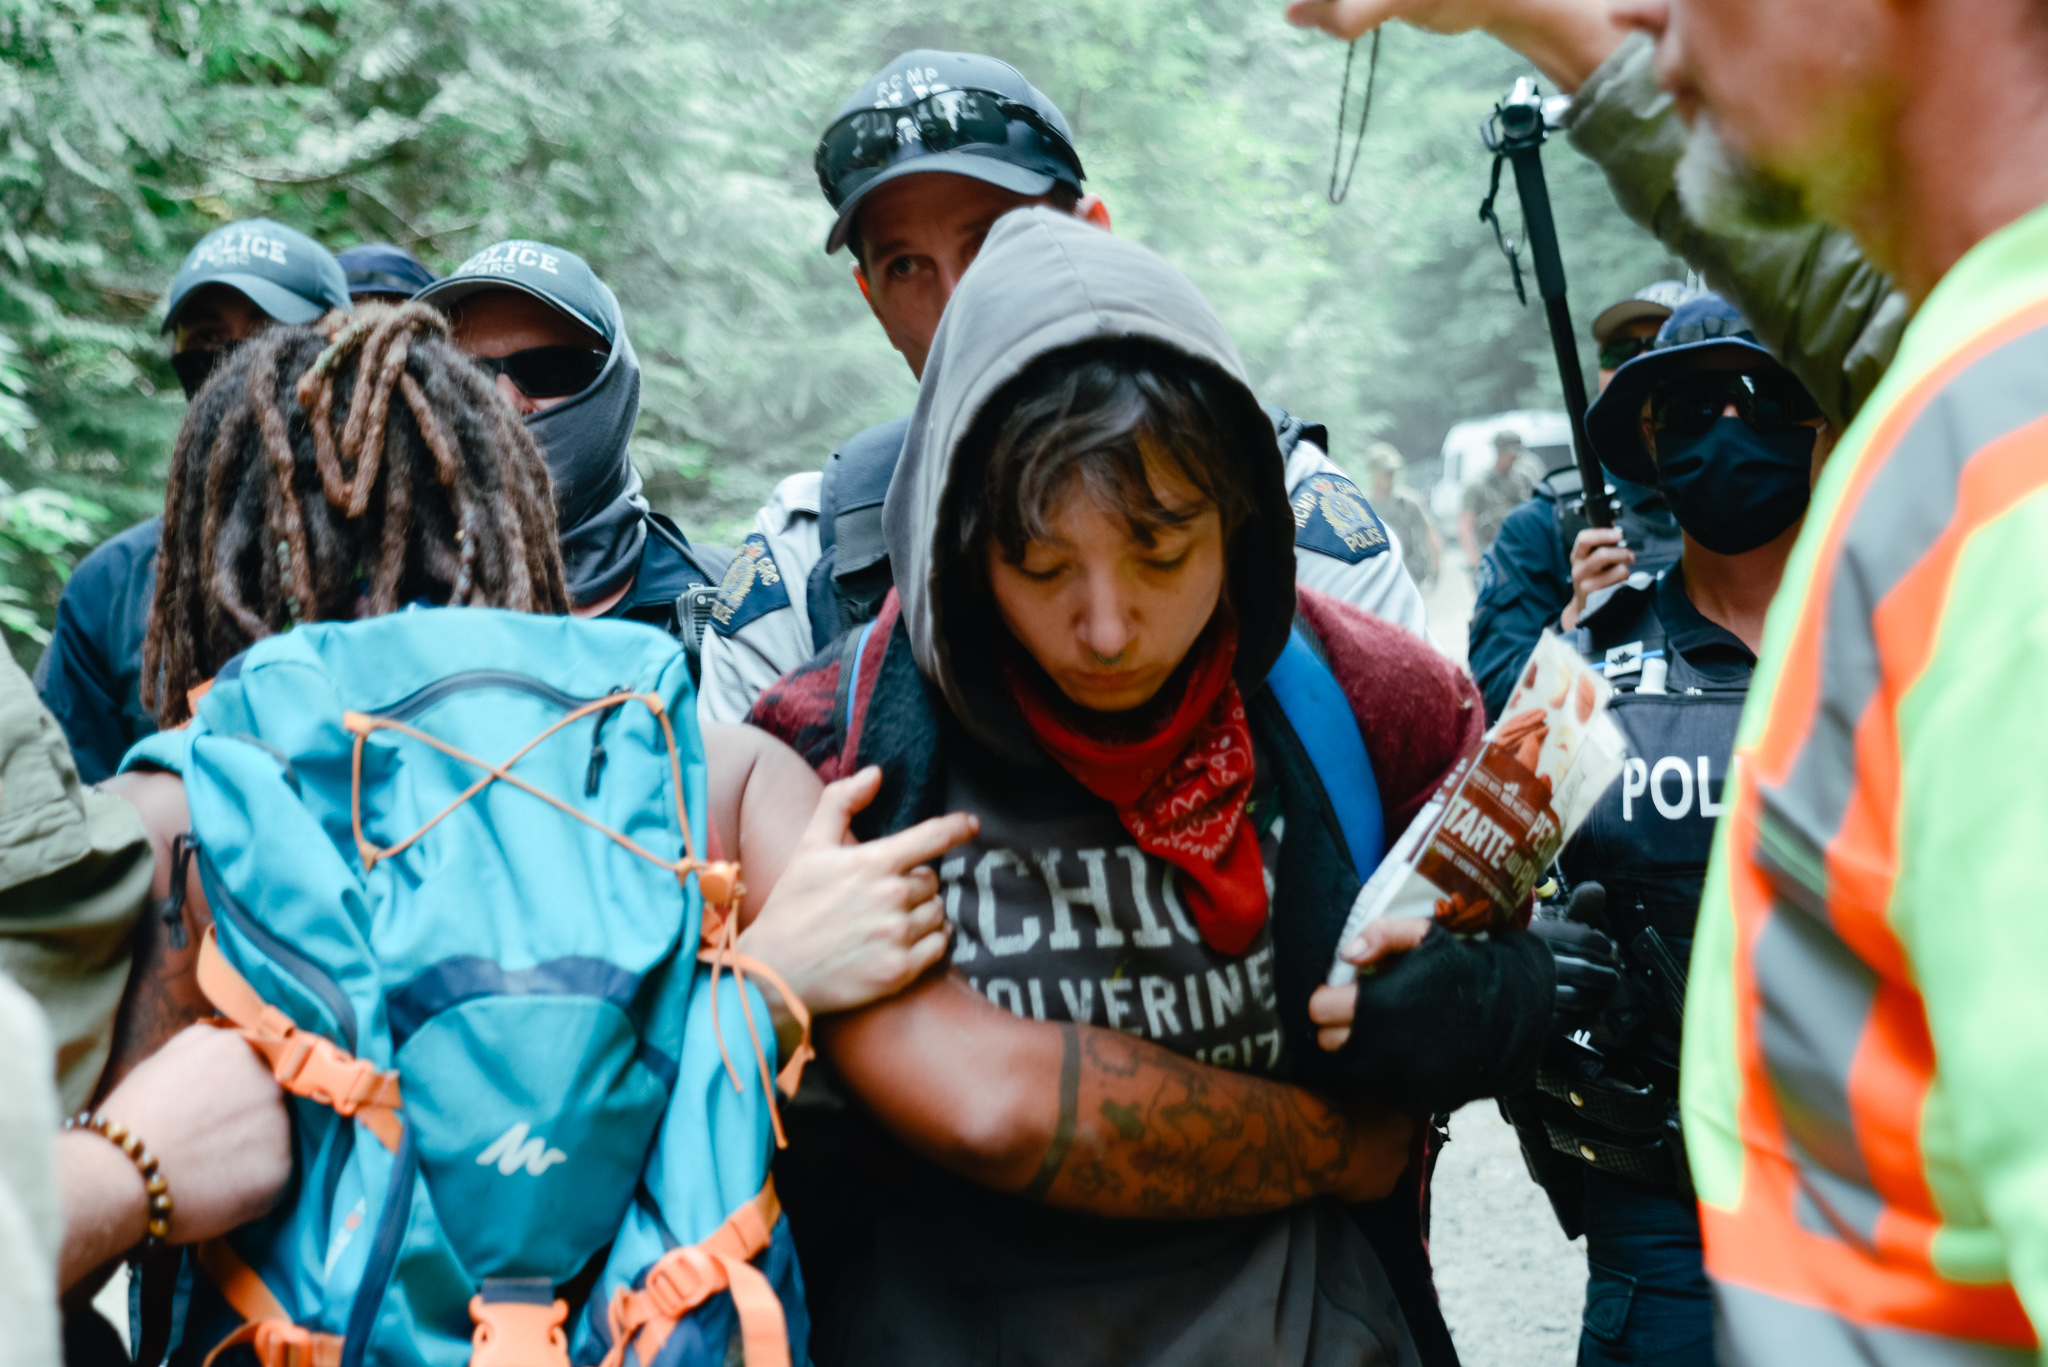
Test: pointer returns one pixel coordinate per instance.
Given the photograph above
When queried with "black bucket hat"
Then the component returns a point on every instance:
(1703, 324)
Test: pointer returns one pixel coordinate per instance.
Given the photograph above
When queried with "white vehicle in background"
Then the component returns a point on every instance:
(1468, 453)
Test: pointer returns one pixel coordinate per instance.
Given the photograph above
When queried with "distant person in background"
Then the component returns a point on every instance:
(1405, 514)
(380, 273)
(236, 282)
(1495, 494)
(918, 165)
(554, 339)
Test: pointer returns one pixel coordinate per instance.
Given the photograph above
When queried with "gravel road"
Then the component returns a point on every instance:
(1512, 1287)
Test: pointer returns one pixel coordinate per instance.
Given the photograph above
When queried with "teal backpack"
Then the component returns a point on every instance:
(454, 861)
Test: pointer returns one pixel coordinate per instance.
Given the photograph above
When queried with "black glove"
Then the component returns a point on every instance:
(1588, 969)
(1452, 1020)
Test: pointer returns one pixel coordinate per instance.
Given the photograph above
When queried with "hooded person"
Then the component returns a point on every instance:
(236, 281)
(916, 165)
(552, 334)
(1094, 559)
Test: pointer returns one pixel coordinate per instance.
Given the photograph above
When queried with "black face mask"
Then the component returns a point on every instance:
(194, 367)
(1733, 488)
(597, 491)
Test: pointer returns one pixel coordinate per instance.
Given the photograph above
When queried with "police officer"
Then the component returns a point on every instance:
(917, 165)
(381, 273)
(1524, 581)
(538, 318)
(1406, 515)
(234, 283)
(1734, 442)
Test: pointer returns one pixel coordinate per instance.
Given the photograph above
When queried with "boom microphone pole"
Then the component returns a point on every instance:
(1516, 133)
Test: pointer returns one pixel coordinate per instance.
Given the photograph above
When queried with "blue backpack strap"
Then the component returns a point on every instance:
(1321, 716)
(850, 650)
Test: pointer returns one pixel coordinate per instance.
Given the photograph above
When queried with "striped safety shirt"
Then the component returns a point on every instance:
(1865, 1078)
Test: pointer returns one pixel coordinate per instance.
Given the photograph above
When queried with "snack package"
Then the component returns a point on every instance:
(1484, 838)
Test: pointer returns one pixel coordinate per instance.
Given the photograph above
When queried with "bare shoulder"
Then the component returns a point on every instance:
(750, 772)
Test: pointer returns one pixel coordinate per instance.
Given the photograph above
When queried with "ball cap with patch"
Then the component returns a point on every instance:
(554, 275)
(1030, 164)
(1654, 302)
(382, 268)
(282, 271)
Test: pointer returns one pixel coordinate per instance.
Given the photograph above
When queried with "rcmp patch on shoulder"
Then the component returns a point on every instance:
(1332, 516)
(751, 588)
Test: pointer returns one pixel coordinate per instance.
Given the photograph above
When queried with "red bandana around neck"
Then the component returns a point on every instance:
(1181, 791)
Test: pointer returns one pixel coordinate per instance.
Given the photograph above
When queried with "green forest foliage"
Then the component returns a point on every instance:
(670, 142)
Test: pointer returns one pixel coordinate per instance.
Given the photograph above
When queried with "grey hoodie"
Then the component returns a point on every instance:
(1046, 281)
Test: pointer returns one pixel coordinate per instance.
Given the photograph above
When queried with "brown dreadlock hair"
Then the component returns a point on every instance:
(300, 492)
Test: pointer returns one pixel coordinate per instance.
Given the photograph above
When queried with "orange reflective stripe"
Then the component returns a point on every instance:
(305, 1064)
(276, 1341)
(684, 1278)
(1883, 1276)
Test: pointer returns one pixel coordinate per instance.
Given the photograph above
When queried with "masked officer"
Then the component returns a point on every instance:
(381, 273)
(917, 165)
(538, 318)
(233, 284)
(1524, 581)
(1734, 442)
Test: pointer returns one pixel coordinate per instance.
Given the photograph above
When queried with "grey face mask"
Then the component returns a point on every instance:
(597, 490)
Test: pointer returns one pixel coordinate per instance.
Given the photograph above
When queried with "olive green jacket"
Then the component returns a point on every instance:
(74, 874)
(1826, 312)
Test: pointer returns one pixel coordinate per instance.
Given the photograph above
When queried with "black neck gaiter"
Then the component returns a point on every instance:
(597, 491)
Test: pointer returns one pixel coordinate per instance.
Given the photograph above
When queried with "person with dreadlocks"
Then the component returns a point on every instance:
(366, 466)
(235, 282)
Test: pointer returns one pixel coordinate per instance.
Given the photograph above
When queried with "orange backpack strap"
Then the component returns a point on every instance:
(269, 1330)
(684, 1278)
(304, 1063)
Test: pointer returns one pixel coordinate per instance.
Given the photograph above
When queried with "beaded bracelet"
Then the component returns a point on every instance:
(154, 1184)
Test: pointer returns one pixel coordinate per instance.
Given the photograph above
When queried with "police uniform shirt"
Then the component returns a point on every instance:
(663, 575)
(760, 629)
(1525, 581)
(90, 676)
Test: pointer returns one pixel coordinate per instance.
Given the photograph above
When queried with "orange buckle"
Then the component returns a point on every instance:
(318, 1070)
(682, 1281)
(281, 1344)
(518, 1334)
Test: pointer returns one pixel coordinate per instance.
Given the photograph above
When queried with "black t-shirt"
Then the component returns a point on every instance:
(1060, 916)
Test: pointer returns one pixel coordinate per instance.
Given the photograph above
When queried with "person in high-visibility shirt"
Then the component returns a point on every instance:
(1865, 1070)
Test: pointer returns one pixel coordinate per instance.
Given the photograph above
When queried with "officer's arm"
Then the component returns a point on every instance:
(1096, 1120)
(1523, 584)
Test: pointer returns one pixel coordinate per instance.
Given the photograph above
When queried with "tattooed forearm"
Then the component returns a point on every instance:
(1145, 1132)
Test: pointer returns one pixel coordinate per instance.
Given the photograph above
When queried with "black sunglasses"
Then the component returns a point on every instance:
(1688, 405)
(945, 121)
(548, 372)
(1622, 350)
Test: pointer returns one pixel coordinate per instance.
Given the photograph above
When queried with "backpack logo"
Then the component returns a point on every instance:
(512, 1151)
